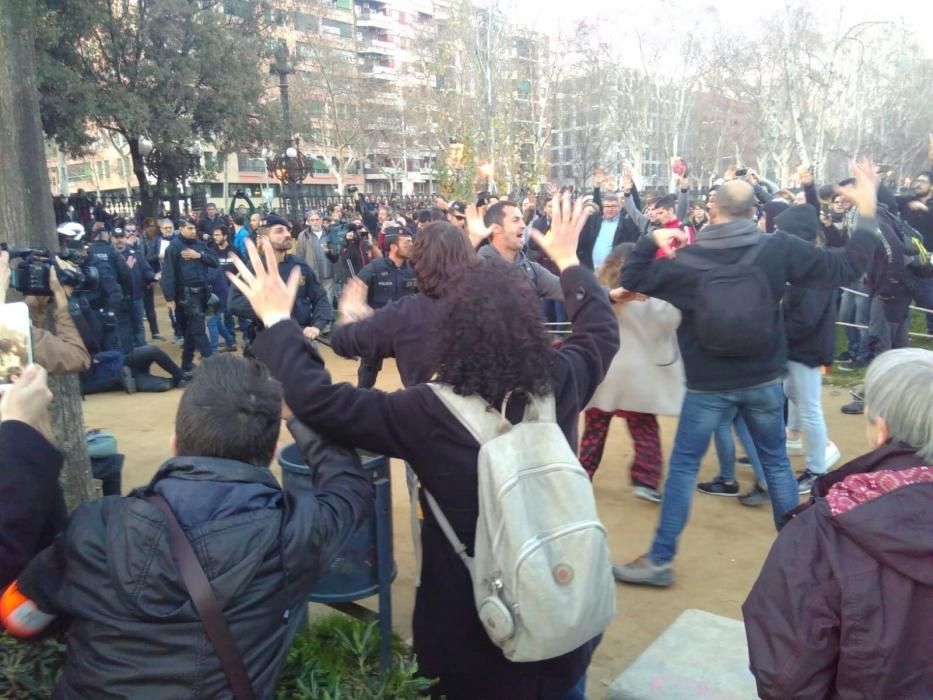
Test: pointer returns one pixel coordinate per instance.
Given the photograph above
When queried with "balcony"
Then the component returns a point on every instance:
(376, 20)
(375, 70)
(376, 46)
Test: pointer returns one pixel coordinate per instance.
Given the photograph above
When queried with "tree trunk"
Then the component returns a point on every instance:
(26, 215)
(149, 198)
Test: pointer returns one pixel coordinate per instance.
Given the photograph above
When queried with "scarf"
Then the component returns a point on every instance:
(738, 233)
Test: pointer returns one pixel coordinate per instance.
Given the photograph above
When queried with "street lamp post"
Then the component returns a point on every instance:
(487, 170)
(288, 166)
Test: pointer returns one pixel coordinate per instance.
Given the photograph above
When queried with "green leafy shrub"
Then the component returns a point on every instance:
(28, 671)
(337, 658)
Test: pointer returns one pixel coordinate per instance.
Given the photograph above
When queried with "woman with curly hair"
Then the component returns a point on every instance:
(645, 379)
(492, 344)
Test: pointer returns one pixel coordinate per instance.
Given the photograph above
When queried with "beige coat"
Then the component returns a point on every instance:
(647, 373)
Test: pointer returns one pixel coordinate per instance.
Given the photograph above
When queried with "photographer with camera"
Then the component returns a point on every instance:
(312, 311)
(351, 248)
(63, 351)
(186, 290)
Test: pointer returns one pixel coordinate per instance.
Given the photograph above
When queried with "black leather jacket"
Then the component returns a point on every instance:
(132, 629)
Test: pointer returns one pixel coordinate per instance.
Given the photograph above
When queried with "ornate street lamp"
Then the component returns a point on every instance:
(288, 166)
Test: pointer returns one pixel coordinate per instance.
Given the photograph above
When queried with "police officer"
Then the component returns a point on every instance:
(114, 275)
(312, 310)
(184, 284)
(386, 280)
(132, 311)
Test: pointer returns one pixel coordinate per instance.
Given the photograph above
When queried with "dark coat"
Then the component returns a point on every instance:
(33, 509)
(810, 324)
(312, 307)
(404, 329)
(178, 273)
(843, 604)
(112, 578)
(784, 258)
(414, 425)
(626, 232)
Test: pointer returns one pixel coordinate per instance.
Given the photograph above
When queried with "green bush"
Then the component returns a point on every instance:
(29, 670)
(337, 658)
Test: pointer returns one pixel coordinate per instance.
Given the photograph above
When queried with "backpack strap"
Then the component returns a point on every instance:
(477, 416)
(448, 531)
(206, 604)
(541, 408)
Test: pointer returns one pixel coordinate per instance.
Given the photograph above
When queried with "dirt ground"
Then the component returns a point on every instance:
(721, 550)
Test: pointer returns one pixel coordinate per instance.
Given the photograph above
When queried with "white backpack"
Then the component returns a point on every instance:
(541, 570)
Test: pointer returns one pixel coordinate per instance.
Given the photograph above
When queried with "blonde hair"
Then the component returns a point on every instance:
(608, 273)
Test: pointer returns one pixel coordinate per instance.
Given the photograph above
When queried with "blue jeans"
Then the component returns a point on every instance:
(578, 692)
(554, 311)
(923, 295)
(137, 318)
(702, 413)
(221, 323)
(805, 411)
(725, 448)
(853, 308)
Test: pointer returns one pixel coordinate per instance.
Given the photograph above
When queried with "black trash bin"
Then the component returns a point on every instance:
(355, 572)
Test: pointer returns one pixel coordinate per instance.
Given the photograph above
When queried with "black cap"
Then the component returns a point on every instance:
(273, 219)
(457, 208)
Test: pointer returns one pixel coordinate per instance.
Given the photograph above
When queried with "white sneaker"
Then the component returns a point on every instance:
(647, 493)
(833, 455)
(795, 447)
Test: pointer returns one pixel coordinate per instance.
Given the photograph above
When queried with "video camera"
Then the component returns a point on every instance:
(32, 276)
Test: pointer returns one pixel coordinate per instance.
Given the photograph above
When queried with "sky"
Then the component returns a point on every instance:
(741, 15)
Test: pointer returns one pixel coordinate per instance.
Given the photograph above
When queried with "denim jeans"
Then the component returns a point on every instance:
(554, 311)
(725, 448)
(923, 295)
(578, 692)
(221, 324)
(138, 316)
(853, 308)
(702, 413)
(805, 411)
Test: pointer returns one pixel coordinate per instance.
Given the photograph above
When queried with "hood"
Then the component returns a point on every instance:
(800, 220)
(889, 514)
(772, 210)
(738, 233)
(232, 513)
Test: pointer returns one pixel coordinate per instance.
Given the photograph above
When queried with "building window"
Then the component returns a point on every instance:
(238, 8)
(103, 169)
(332, 26)
(217, 190)
(79, 171)
(250, 164)
(305, 22)
(303, 49)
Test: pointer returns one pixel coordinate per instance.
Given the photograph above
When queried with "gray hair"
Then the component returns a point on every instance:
(899, 388)
(167, 221)
(735, 200)
(610, 197)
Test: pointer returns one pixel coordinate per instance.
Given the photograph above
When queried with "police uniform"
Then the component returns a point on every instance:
(107, 301)
(185, 283)
(387, 282)
(311, 309)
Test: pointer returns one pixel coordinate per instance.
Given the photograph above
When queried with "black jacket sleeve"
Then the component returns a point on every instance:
(169, 270)
(809, 266)
(368, 213)
(33, 509)
(208, 258)
(338, 504)
(145, 269)
(371, 337)
(663, 278)
(813, 198)
(322, 312)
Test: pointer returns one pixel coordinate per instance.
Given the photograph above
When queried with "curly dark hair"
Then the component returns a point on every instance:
(494, 340)
(440, 252)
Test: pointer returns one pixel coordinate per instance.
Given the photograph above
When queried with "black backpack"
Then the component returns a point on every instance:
(733, 310)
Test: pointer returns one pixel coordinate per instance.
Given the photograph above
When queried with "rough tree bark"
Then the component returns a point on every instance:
(26, 216)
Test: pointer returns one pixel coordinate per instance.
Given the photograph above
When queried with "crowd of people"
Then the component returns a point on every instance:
(720, 311)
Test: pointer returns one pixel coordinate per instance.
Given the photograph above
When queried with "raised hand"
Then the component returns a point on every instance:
(477, 230)
(804, 175)
(353, 306)
(567, 220)
(271, 298)
(864, 193)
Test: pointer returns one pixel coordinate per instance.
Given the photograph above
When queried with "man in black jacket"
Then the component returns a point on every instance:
(603, 233)
(720, 385)
(132, 312)
(33, 509)
(112, 579)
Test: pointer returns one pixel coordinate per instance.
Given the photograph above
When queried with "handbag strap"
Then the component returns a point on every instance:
(205, 602)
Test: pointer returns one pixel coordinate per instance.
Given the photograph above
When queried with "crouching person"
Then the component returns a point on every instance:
(843, 605)
(112, 578)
